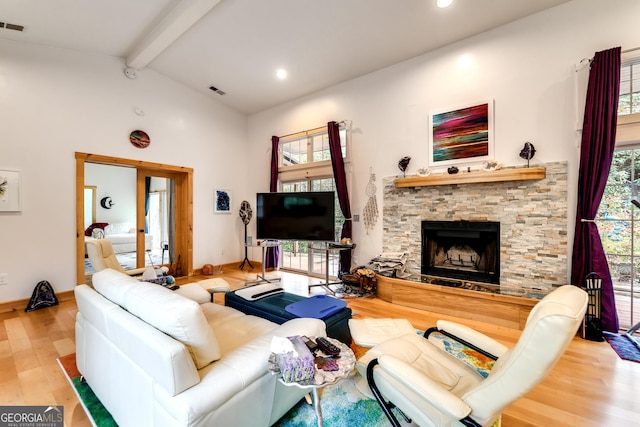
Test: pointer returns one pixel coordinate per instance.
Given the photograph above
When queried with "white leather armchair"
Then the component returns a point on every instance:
(101, 256)
(434, 388)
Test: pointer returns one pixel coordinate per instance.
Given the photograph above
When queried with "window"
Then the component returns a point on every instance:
(629, 101)
(618, 219)
(619, 225)
(295, 149)
(305, 165)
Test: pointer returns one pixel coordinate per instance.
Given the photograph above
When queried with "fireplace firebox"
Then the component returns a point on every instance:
(465, 250)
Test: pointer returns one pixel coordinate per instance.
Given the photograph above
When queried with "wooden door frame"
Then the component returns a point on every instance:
(184, 205)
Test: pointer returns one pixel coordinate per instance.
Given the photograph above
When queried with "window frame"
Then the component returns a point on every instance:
(311, 169)
(633, 64)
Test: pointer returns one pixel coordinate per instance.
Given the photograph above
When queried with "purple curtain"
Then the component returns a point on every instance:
(273, 253)
(598, 144)
(341, 187)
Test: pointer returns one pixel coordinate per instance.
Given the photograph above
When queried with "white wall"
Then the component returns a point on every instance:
(55, 102)
(116, 182)
(527, 67)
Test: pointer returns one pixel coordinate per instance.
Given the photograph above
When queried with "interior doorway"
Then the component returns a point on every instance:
(175, 234)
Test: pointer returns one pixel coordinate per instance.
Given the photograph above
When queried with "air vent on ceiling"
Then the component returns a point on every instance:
(11, 26)
(216, 90)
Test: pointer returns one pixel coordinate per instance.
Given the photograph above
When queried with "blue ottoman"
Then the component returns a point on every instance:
(273, 308)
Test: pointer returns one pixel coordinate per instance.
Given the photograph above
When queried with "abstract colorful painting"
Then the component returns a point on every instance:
(461, 135)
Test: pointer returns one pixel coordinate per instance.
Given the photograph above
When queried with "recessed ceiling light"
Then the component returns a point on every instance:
(444, 3)
(281, 74)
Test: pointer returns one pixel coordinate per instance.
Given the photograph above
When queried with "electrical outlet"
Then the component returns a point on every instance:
(356, 217)
(4, 279)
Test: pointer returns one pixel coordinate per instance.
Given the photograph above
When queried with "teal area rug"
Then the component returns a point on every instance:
(98, 413)
(342, 404)
(623, 347)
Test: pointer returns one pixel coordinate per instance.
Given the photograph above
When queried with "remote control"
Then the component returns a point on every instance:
(311, 345)
(327, 347)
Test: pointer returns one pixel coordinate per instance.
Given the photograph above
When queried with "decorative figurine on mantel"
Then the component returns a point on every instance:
(453, 170)
(402, 165)
(528, 151)
(491, 165)
(424, 171)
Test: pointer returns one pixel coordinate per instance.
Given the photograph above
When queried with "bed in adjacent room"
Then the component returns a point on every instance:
(122, 236)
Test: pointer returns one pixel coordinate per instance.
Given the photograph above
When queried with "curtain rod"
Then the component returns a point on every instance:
(343, 122)
(587, 61)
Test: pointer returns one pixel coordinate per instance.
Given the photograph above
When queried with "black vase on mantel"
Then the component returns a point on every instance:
(452, 170)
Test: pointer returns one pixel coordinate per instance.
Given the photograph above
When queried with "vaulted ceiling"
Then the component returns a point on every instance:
(238, 45)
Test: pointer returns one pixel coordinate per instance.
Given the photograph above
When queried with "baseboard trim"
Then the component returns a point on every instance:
(21, 304)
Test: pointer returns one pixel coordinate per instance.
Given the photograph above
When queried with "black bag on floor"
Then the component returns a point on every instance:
(43, 296)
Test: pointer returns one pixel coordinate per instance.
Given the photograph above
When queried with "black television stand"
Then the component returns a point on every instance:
(328, 248)
(262, 278)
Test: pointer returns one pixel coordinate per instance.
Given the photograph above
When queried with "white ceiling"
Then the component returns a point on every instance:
(237, 45)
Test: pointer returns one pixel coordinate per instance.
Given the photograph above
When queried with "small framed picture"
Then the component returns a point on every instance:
(10, 191)
(222, 201)
(461, 134)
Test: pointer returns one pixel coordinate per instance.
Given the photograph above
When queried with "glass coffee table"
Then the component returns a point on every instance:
(346, 364)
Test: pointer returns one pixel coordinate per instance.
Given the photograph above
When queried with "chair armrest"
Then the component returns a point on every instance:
(135, 271)
(472, 336)
(424, 386)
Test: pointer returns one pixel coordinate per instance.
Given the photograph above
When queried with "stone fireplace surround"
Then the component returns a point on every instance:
(532, 216)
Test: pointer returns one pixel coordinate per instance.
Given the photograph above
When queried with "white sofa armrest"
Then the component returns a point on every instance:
(424, 386)
(471, 336)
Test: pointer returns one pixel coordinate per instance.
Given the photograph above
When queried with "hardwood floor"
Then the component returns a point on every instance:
(590, 386)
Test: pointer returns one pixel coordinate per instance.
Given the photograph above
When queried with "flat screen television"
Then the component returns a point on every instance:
(296, 216)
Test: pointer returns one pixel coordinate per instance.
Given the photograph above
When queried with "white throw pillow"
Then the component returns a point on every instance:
(118, 228)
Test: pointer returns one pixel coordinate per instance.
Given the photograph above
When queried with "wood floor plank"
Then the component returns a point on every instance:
(32, 384)
(5, 349)
(11, 392)
(17, 335)
(65, 346)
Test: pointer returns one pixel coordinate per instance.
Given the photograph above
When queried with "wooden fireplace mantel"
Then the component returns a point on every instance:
(474, 177)
(502, 310)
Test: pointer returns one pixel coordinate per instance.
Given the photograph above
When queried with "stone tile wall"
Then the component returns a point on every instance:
(532, 216)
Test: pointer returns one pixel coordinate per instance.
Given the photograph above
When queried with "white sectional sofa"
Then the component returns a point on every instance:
(156, 358)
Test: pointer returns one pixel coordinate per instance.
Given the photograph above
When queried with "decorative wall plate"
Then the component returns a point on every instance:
(139, 139)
